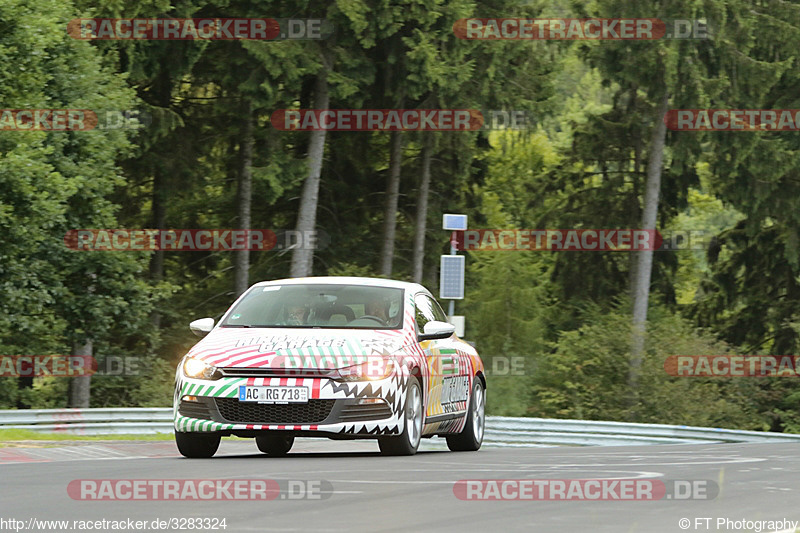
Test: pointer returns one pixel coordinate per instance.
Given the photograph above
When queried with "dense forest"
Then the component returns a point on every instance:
(588, 332)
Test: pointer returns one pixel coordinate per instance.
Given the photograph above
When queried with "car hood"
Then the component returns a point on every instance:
(296, 348)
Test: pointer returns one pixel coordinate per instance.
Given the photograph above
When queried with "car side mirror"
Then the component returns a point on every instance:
(202, 326)
(436, 330)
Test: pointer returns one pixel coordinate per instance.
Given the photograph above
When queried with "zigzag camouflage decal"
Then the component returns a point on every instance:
(227, 389)
(440, 365)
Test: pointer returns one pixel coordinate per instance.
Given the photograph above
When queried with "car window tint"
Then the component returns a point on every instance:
(319, 305)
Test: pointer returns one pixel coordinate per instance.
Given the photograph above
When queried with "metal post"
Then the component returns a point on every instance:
(451, 309)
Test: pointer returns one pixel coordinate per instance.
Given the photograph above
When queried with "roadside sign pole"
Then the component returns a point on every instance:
(452, 272)
(451, 309)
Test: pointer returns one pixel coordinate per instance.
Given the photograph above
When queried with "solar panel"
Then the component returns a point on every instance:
(454, 222)
(451, 277)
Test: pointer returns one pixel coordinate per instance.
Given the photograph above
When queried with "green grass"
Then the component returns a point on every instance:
(10, 435)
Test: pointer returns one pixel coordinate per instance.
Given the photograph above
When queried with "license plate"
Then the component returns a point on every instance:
(273, 394)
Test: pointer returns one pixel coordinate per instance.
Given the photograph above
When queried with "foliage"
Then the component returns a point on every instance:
(581, 165)
(585, 376)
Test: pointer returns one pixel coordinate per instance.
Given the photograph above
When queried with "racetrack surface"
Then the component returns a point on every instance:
(376, 493)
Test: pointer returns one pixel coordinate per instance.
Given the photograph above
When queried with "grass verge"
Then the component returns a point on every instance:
(11, 435)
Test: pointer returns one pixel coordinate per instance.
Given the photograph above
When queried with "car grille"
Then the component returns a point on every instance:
(313, 412)
(365, 412)
(194, 410)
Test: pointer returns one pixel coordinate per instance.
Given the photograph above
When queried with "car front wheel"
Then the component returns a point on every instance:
(197, 445)
(407, 442)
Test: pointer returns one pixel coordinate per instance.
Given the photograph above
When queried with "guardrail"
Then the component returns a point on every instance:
(500, 431)
(507, 431)
(125, 421)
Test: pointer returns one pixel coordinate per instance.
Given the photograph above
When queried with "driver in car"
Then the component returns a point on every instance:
(378, 308)
(297, 314)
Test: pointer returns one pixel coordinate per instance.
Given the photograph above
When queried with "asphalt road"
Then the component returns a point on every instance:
(368, 492)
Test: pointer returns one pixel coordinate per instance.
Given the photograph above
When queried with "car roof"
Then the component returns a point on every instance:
(347, 280)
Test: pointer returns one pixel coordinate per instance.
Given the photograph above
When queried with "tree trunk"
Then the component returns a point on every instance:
(80, 387)
(159, 218)
(23, 384)
(158, 212)
(641, 294)
(390, 208)
(244, 198)
(302, 258)
(421, 225)
(633, 259)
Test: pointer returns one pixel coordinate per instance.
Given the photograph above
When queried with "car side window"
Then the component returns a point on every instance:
(438, 312)
(424, 311)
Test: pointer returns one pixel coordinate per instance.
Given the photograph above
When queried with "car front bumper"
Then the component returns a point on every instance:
(358, 408)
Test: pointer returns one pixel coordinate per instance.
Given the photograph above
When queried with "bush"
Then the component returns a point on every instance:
(586, 376)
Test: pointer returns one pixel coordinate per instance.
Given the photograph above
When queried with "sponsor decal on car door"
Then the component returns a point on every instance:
(449, 382)
(448, 372)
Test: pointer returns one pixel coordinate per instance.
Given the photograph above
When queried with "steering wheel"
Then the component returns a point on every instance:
(370, 317)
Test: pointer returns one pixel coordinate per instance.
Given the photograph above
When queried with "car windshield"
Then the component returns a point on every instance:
(319, 306)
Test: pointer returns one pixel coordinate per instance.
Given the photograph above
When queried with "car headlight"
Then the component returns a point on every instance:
(373, 370)
(199, 369)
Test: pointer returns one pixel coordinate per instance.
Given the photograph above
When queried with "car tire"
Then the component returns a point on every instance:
(471, 437)
(275, 444)
(197, 445)
(408, 441)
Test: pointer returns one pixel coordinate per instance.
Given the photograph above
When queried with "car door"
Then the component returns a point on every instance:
(448, 371)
